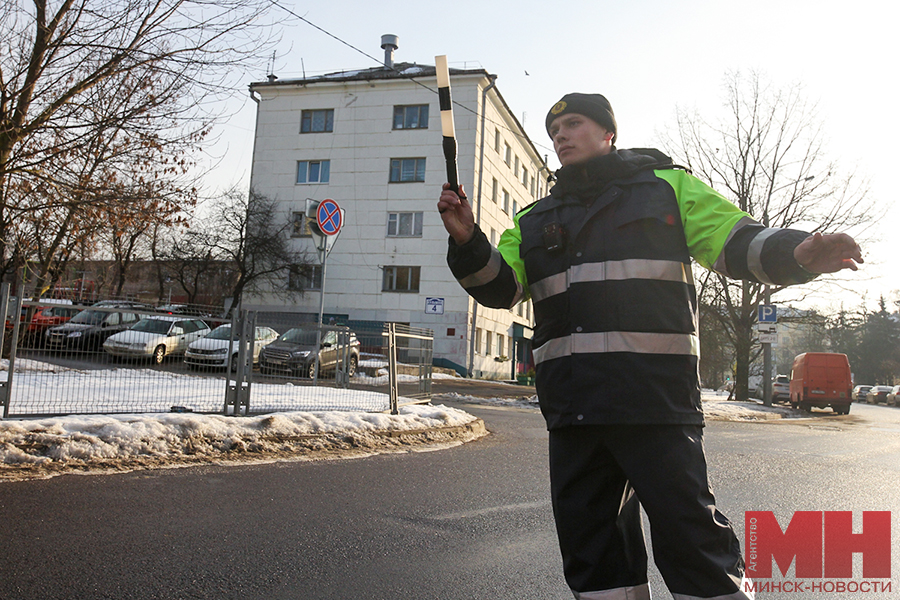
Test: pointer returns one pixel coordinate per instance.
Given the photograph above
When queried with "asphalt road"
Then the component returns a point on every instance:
(460, 523)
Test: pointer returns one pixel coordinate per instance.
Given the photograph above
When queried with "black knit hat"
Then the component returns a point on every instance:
(593, 106)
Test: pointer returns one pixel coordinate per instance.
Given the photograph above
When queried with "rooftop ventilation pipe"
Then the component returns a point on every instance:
(389, 44)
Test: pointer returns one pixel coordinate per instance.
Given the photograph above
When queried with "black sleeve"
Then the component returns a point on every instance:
(482, 272)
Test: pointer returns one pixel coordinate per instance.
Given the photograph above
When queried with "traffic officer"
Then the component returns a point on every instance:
(606, 261)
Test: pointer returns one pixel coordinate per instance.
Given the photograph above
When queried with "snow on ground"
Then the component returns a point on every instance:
(716, 406)
(312, 426)
(48, 446)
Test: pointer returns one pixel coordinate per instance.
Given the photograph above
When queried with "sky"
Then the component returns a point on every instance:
(647, 57)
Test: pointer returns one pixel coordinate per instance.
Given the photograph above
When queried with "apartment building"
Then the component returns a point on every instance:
(370, 140)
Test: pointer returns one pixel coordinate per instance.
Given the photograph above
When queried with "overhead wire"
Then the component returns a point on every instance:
(403, 75)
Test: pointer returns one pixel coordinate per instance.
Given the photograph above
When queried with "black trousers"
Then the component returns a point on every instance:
(599, 474)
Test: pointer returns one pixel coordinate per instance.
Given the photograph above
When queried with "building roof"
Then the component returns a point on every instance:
(400, 70)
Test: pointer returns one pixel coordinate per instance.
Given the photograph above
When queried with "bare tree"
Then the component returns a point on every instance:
(246, 232)
(767, 155)
(87, 87)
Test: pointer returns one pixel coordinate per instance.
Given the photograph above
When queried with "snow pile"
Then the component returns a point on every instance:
(124, 442)
(717, 407)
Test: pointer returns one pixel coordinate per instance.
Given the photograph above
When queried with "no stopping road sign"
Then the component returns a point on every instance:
(329, 217)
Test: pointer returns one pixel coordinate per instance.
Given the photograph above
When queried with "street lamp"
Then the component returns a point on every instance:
(767, 346)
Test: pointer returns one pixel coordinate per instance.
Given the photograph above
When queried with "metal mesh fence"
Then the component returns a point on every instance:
(118, 357)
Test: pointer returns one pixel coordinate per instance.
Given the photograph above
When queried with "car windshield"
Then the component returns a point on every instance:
(152, 326)
(222, 332)
(303, 337)
(89, 317)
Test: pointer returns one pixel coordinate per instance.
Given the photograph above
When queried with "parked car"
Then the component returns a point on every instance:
(877, 394)
(156, 337)
(214, 351)
(860, 391)
(89, 329)
(294, 353)
(781, 388)
(55, 312)
(184, 309)
(894, 396)
(821, 379)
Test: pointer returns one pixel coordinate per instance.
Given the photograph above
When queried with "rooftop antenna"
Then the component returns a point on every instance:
(271, 67)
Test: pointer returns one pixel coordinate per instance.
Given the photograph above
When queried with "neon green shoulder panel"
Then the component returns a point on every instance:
(510, 240)
(707, 216)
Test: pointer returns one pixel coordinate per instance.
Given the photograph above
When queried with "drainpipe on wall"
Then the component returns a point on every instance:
(484, 93)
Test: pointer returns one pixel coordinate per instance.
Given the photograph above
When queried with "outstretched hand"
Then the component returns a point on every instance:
(828, 253)
(456, 212)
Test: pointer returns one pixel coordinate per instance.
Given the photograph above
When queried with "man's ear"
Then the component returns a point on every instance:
(609, 135)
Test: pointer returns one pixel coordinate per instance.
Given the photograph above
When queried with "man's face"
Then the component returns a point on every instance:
(577, 139)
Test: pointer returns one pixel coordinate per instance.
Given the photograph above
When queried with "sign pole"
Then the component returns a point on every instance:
(320, 246)
(329, 218)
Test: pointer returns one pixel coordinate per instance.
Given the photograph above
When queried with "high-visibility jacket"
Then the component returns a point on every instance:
(609, 274)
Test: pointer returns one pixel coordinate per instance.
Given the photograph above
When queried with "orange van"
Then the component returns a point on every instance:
(821, 379)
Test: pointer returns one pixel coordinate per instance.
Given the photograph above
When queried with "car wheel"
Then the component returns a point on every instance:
(351, 368)
(795, 405)
(311, 370)
(234, 363)
(159, 354)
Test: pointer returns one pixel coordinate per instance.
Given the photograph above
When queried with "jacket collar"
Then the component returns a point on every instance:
(586, 180)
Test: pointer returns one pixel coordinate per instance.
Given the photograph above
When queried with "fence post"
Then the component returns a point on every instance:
(392, 367)
(237, 395)
(13, 345)
(4, 307)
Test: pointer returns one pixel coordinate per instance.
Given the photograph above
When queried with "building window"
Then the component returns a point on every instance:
(494, 187)
(505, 201)
(478, 340)
(313, 171)
(407, 169)
(497, 140)
(405, 224)
(411, 117)
(493, 237)
(299, 225)
(507, 155)
(501, 339)
(305, 277)
(525, 177)
(520, 309)
(487, 342)
(516, 168)
(515, 207)
(401, 279)
(317, 121)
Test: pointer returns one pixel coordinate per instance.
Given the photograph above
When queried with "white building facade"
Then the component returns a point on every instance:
(371, 141)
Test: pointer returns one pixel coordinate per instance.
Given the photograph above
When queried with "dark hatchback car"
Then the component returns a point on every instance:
(89, 329)
(294, 353)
